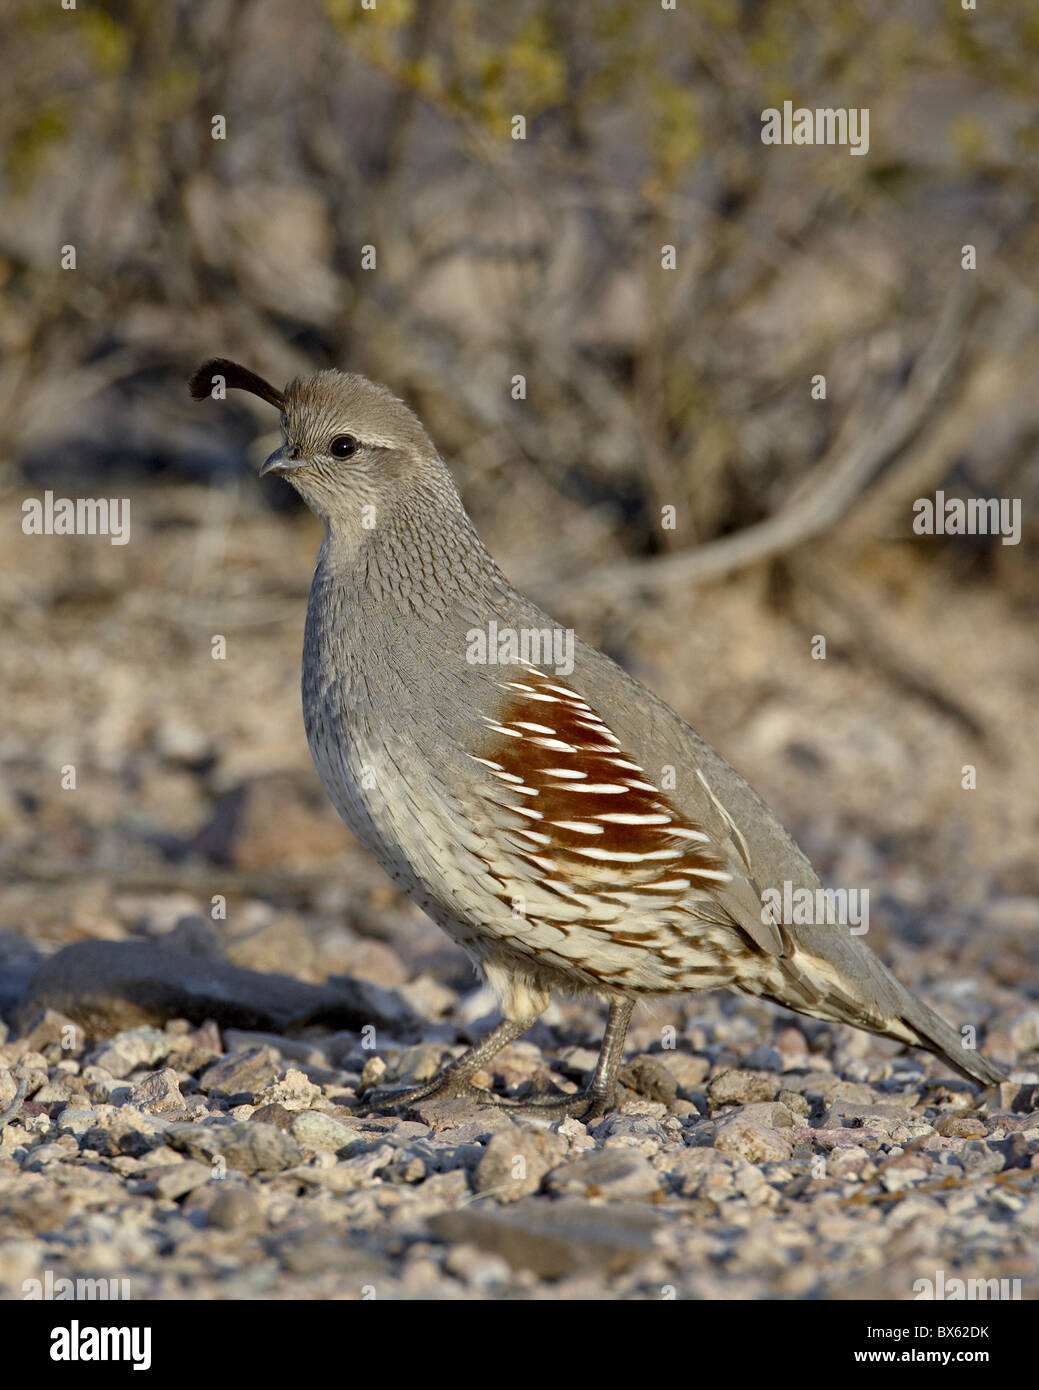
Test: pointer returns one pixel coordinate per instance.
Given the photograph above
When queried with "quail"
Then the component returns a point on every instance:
(563, 825)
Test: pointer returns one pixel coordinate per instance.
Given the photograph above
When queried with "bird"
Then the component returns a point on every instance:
(564, 826)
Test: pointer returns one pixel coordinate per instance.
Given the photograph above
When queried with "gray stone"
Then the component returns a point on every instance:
(555, 1238)
(764, 1059)
(615, 1173)
(515, 1161)
(242, 1073)
(136, 1047)
(687, 1068)
(757, 1143)
(647, 1075)
(107, 986)
(248, 1148)
(78, 1119)
(236, 1209)
(158, 1092)
(736, 1087)
(319, 1131)
(171, 1181)
(978, 1158)
(886, 1118)
(772, 1113)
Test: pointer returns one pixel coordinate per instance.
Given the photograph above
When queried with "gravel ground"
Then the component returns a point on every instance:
(753, 1155)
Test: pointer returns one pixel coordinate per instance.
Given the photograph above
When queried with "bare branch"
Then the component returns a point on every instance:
(827, 493)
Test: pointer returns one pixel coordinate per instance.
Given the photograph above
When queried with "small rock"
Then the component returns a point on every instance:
(1023, 1032)
(273, 1115)
(236, 1209)
(960, 1126)
(764, 1059)
(320, 1131)
(246, 1147)
(172, 1182)
(50, 1028)
(555, 1238)
(738, 1087)
(757, 1143)
(45, 1154)
(474, 1266)
(979, 1158)
(55, 1091)
(515, 1161)
(616, 1173)
(8, 1087)
(419, 1063)
(242, 1073)
(790, 1042)
(294, 1091)
(624, 1129)
(772, 1113)
(852, 1092)
(847, 1163)
(136, 1047)
(794, 1102)
(158, 1092)
(900, 1173)
(374, 1071)
(647, 1075)
(78, 1119)
(703, 1172)
(688, 1069)
(883, 1117)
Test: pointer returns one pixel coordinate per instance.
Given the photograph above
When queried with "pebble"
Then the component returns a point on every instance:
(758, 1143)
(736, 1087)
(158, 1092)
(236, 1209)
(320, 1131)
(648, 1075)
(136, 1047)
(248, 1148)
(554, 1238)
(613, 1173)
(514, 1162)
(242, 1073)
(236, 1159)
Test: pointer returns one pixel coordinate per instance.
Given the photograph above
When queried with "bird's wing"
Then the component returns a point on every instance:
(588, 821)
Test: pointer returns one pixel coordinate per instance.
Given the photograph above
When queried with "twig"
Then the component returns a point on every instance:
(6, 1116)
(878, 648)
(830, 489)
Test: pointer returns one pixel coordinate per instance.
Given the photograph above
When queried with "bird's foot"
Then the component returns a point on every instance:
(587, 1105)
(444, 1086)
(590, 1104)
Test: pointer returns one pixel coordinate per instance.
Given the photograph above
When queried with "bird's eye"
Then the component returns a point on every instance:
(343, 446)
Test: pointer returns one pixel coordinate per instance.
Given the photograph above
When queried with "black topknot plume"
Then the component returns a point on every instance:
(241, 378)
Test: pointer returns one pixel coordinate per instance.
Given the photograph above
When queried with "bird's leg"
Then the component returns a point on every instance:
(593, 1102)
(455, 1080)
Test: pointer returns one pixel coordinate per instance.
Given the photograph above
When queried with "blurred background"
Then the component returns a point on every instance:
(646, 388)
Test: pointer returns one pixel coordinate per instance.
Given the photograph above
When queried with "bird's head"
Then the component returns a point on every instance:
(349, 442)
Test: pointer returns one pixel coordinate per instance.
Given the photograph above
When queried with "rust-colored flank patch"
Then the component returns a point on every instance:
(594, 822)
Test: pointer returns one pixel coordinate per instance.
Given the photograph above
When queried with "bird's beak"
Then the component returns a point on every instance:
(284, 460)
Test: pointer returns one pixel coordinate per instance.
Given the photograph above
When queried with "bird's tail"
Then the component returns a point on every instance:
(851, 985)
(933, 1033)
